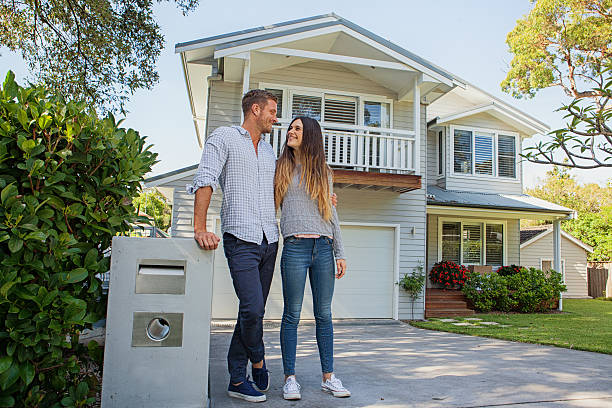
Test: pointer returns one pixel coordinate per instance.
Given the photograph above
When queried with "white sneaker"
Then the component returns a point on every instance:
(334, 387)
(291, 389)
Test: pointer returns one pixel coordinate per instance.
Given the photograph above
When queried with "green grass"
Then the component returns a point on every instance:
(585, 324)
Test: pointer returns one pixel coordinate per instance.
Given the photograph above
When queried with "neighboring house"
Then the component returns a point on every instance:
(426, 165)
(537, 252)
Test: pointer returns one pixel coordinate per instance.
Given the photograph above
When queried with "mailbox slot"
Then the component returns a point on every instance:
(160, 276)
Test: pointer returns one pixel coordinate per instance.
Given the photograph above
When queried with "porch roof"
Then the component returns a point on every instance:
(521, 203)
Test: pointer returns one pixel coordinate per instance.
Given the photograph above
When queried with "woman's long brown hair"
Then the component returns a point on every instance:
(315, 171)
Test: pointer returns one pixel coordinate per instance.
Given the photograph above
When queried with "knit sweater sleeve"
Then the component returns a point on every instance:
(338, 246)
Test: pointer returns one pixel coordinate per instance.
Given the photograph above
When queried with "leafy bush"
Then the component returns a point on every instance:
(487, 292)
(508, 270)
(448, 274)
(535, 291)
(66, 180)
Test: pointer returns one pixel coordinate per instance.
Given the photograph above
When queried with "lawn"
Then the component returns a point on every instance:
(585, 324)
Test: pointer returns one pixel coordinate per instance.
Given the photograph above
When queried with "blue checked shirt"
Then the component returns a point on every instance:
(247, 182)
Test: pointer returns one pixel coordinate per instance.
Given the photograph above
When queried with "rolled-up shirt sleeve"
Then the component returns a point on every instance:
(214, 156)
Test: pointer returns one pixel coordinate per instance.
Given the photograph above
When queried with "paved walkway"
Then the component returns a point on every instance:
(396, 365)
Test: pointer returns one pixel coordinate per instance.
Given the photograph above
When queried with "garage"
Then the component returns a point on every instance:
(366, 292)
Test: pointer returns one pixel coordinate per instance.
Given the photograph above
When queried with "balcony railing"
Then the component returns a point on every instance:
(360, 147)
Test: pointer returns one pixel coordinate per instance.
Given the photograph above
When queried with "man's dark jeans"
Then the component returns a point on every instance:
(252, 267)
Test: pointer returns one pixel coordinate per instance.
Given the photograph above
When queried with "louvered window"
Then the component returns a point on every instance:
(451, 241)
(279, 103)
(340, 109)
(463, 151)
(506, 147)
(306, 105)
(495, 244)
(472, 243)
(483, 153)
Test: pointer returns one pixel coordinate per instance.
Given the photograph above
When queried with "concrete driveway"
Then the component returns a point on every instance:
(396, 365)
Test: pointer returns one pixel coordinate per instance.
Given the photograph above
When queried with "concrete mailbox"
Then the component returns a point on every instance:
(158, 324)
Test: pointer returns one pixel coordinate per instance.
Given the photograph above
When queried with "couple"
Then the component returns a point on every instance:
(254, 186)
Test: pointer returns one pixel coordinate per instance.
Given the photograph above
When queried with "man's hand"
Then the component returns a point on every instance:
(334, 199)
(207, 240)
(340, 268)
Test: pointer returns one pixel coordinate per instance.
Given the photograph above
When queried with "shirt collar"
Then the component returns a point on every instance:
(242, 130)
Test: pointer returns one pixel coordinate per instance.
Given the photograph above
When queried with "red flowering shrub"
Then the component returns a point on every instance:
(508, 270)
(449, 274)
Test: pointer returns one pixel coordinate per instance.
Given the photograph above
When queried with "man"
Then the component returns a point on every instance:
(243, 164)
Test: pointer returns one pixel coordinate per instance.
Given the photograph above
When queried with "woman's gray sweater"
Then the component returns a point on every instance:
(300, 215)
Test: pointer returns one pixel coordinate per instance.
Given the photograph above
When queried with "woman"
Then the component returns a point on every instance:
(309, 225)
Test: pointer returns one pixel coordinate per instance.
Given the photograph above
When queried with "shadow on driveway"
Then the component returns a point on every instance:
(397, 365)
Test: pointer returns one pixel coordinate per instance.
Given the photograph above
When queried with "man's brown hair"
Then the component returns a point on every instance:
(256, 96)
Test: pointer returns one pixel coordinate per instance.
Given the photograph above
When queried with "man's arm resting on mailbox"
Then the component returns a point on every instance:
(206, 240)
(214, 157)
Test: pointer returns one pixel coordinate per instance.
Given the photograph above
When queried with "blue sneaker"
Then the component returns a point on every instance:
(261, 378)
(245, 391)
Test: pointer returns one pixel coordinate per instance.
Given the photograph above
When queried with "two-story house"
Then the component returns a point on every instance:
(426, 165)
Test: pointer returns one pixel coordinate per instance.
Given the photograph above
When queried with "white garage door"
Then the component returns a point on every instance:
(366, 291)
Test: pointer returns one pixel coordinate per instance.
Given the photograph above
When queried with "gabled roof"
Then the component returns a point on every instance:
(530, 235)
(261, 34)
(518, 119)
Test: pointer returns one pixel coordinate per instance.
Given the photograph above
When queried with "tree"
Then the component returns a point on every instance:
(593, 204)
(154, 204)
(97, 50)
(567, 44)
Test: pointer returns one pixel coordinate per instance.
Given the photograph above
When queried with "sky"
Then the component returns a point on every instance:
(465, 37)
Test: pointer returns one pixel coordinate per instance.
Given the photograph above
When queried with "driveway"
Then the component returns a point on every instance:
(393, 364)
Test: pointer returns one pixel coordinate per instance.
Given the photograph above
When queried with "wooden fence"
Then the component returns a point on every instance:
(597, 278)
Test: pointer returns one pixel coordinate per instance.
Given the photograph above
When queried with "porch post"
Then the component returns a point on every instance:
(417, 124)
(557, 254)
(245, 81)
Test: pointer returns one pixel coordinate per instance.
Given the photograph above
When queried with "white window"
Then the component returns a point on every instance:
(376, 114)
(440, 153)
(472, 242)
(306, 105)
(547, 265)
(279, 103)
(484, 152)
(506, 153)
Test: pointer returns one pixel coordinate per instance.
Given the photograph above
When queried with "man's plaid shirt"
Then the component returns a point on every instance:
(247, 182)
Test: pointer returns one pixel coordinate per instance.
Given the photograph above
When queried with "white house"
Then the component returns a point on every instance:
(426, 165)
(537, 252)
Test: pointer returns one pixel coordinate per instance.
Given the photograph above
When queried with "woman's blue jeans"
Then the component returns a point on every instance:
(313, 257)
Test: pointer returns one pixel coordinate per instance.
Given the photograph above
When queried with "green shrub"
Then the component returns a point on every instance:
(508, 270)
(66, 183)
(487, 292)
(535, 291)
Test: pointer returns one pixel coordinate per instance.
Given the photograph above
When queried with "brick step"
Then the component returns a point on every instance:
(448, 312)
(447, 304)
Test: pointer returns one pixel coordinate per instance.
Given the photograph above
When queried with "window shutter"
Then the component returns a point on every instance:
(463, 151)
(279, 103)
(440, 153)
(506, 156)
(483, 153)
(451, 241)
(339, 109)
(472, 243)
(495, 244)
(304, 105)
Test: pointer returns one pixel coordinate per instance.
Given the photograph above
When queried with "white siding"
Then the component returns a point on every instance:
(575, 262)
(224, 105)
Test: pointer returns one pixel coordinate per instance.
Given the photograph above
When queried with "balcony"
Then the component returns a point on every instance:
(365, 157)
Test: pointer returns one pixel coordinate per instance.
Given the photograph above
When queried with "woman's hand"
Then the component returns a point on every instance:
(334, 199)
(340, 268)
